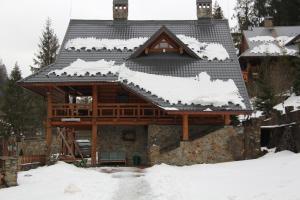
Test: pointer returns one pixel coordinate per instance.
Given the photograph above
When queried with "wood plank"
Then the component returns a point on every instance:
(94, 143)
(48, 122)
(227, 120)
(185, 127)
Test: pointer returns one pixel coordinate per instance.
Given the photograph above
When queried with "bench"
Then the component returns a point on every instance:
(112, 157)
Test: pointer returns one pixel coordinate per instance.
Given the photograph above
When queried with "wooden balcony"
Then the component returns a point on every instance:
(108, 110)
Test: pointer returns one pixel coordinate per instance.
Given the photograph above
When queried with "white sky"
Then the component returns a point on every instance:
(21, 21)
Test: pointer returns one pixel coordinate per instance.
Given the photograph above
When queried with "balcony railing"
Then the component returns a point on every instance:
(105, 110)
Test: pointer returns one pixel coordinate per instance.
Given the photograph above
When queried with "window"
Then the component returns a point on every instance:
(163, 45)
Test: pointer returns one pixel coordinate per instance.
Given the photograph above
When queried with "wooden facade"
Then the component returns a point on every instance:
(112, 104)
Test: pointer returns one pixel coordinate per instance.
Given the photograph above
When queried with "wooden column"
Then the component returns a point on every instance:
(185, 127)
(94, 125)
(227, 119)
(48, 122)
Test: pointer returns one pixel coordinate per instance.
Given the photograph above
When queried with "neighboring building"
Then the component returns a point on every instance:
(158, 90)
(268, 41)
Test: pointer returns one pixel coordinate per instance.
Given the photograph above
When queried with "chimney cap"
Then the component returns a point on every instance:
(120, 1)
(204, 1)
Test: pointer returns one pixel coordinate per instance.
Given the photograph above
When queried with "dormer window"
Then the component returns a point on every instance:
(163, 45)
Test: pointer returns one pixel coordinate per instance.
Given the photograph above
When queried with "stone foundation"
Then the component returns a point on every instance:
(224, 144)
(111, 139)
(10, 170)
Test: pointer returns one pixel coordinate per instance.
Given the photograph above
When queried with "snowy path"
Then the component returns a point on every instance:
(132, 185)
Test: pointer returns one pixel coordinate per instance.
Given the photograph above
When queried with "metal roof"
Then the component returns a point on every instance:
(205, 30)
(290, 31)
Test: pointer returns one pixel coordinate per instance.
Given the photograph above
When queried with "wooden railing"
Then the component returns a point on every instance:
(71, 110)
(41, 159)
(105, 110)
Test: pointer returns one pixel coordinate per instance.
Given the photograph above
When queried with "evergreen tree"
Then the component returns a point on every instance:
(297, 74)
(48, 48)
(245, 14)
(217, 11)
(3, 78)
(14, 102)
(285, 13)
(23, 114)
(265, 100)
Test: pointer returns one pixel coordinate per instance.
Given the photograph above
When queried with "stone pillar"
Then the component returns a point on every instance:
(10, 171)
(153, 154)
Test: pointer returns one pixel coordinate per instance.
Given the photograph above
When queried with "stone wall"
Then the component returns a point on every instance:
(224, 144)
(10, 170)
(33, 146)
(111, 139)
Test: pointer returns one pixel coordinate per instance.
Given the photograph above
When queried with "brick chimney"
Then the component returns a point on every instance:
(204, 9)
(268, 23)
(120, 9)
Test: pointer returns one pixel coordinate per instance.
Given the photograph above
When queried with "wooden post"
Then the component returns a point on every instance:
(48, 124)
(94, 125)
(185, 127)
(227, 120)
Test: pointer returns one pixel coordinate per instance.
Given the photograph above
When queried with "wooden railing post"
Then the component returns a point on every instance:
(48, 122)
(185, 127)
(94, 125)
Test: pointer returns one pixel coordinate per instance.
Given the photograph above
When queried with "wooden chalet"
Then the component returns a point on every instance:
(267, 41)
(95, 102)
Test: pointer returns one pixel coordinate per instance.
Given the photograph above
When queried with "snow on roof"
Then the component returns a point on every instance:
(271, 48)
(272, 45)
(293, 100)
(283, 40)
(199, 90)
(209, 51)
(110, 44)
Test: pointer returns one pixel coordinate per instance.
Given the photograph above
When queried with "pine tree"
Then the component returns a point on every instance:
(296, 84)
(3, 79)
(245, 14)
(14, 102)
(217, 11)
(48, 48)
(265, 100)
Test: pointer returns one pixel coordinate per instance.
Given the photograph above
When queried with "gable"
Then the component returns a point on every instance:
(161, 42)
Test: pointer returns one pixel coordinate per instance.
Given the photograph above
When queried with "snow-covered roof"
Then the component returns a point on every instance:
(293, 101)
(275, 41)
(209, 39)
(198, 90)
(204, 50)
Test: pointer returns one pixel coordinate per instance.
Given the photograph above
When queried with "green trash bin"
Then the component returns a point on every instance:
(136, 160)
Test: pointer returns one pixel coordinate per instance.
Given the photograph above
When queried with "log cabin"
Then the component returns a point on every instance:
(146, 89)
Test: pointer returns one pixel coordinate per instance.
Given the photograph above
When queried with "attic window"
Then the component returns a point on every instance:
(163, 44)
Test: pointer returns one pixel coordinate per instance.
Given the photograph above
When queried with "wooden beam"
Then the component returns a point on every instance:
(48, 124)
(185, 127)
(94, 125)
(95, 101)
(209, 113)
(94, 143)
(227, 120)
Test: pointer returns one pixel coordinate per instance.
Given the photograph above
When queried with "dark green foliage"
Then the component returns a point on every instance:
(296, 85)
(265, 100)
(48, 48)
(217, 11)
(285, 13)
(19, 106)
(245, 14)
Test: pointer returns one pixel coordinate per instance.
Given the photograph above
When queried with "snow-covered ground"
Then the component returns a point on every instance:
(275, 176)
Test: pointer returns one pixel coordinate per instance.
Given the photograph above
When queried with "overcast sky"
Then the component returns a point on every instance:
(21, 21)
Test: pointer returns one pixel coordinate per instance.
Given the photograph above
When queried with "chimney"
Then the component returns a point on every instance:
(268, 23)
(120, 9)
(204, 9)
